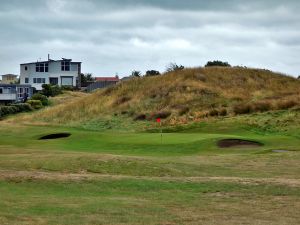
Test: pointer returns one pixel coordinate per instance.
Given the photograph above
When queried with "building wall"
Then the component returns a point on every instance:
(8, 79)
(54, 71)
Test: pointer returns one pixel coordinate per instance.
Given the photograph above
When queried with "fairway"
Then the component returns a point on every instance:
(111, 177)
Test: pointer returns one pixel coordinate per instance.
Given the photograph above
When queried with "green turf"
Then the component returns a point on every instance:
(148, 181)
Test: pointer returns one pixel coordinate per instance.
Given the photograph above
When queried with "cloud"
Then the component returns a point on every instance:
(111, 36)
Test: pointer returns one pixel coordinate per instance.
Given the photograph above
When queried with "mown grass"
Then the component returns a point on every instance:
(129, 201)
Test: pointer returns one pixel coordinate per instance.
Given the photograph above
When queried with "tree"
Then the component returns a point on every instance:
(51, 90)
(174, 67)
(135, 73)
(87, 77)
(217, 63)
(152, 73)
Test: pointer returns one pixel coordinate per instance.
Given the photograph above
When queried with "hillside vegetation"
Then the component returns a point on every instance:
(180, 97)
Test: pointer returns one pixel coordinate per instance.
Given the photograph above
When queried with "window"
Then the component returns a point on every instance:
(26, 80)
(26, 68)
(67, 81)
(39, 80)
(20, 92)
(27, 90)
(42, 67)
(1, 90)
(53, 80)
(65, 66)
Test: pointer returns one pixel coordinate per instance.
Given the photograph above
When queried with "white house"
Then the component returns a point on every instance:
(62, 72)
(14, 92)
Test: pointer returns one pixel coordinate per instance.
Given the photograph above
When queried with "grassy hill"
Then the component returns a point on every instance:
(102, 175)
(180, 97)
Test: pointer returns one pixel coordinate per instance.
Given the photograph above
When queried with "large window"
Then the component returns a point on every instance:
(26, 80)
(42, 67)
(67, 81)
(65, 66)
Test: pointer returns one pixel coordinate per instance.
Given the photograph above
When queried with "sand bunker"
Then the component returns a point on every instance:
(55, 136)
(228, 143)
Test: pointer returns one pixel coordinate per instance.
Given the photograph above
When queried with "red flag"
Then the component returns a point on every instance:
(158, 120)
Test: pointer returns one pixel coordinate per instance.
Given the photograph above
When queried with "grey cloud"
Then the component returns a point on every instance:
(122, 35)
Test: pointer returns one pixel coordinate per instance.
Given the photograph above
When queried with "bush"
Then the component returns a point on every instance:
(162, 115)
(223, 112)
(150, 73)
(23, 107)
(140, 117)
(36, 104)
(51, 90)
(174, 67)
(14, 108)
(242, 108)
(213, 112)
(217, 63)
(42, 98)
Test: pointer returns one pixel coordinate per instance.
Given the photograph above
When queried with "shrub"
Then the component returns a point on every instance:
(217, 63)
(140, 117)
(23, 107)
(174, 67)
(213, 112)
(36, 104)
(150, 73)
(286, 104)
(69, 88)
(223, 112)
(136, 73)
(242, 108)
(42, 98)
(162, 115)
(51, 90)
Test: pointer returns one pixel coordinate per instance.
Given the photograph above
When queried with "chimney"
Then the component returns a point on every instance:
(48, 57)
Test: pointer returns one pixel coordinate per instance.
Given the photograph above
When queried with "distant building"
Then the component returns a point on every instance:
(62, 72)
(102, 82)
(14, 92)
(9, 79)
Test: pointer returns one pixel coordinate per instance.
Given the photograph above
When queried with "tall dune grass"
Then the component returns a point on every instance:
(197, 90)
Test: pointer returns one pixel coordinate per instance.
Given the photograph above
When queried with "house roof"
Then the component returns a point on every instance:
(116, 79)
(15, 85)
(51, 60)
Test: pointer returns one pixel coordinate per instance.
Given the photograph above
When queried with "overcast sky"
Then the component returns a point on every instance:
(118, 36)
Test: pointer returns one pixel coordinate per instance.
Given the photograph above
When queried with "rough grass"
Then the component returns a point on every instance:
(222, 88)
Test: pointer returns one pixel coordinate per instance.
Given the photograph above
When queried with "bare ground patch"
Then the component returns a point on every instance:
(56, 176)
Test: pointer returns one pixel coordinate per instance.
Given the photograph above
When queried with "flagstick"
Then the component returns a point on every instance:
(160, 133)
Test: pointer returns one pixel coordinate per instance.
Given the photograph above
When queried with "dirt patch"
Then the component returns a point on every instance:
(55, 136)
(227, 143)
